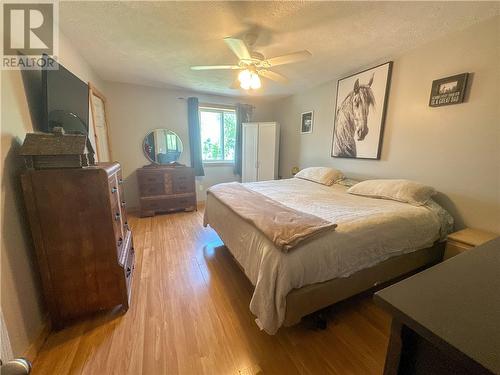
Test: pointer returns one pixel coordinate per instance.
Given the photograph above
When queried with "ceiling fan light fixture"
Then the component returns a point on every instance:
(245, 85)
(249, 80)
(244, 76)
(253, 64)
(255, 81)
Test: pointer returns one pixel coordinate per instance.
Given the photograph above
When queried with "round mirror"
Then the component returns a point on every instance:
(162, 146)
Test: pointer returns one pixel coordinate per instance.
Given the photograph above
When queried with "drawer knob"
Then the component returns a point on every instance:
(120, 241)
(114, 189)
(117, 216)
(120, 181)
(129, 271)
(124, 204)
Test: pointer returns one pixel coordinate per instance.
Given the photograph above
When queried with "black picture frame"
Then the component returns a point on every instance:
(385, 96)
(449, 90)
(306, 122)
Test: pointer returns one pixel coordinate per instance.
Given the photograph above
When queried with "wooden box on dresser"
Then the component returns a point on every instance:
(82, 240)
(166, 188)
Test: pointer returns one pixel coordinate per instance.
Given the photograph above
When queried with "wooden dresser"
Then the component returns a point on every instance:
(82, 240)
(165, 189)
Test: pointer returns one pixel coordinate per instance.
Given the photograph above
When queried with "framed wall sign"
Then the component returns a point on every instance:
(360, 113)
(449, 90)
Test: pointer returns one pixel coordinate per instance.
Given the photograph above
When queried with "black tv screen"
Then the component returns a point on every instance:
(66, 101)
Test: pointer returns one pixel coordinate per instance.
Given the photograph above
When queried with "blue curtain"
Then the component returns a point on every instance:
(195, 136)
(243, 114)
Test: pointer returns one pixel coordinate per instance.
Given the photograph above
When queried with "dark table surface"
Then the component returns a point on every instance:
(455, 303)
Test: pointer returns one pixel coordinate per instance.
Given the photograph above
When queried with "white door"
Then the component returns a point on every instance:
(249, 149)
(266, 152)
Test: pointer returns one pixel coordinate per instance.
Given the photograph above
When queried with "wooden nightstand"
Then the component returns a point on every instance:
(466, 239)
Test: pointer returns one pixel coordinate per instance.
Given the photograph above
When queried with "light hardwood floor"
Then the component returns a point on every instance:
(189, 315)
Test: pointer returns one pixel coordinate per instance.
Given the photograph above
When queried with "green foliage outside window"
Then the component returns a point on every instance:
(229, 135)
(218, 141)
(211, 151)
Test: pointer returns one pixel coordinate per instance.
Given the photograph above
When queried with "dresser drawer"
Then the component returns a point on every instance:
(183, 182)
(126, 259)
(113, 189)
(117, 224)
(119, 181)
(125, 248)
(121, 202)
(183, 187)
(123, 210)
(155, 177)
(184, 175)
(148, 190)
(168, 204)
(129, 265)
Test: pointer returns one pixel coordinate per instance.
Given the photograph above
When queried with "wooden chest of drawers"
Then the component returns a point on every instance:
(82, 240)
(165, 189)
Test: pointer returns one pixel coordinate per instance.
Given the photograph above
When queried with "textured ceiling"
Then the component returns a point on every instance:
(154, 43)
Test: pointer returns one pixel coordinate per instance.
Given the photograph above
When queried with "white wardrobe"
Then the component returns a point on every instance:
(260, 151)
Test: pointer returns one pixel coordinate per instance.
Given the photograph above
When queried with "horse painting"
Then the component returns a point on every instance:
(351, 121)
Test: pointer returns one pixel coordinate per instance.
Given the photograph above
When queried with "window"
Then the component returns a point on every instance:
(218, 134)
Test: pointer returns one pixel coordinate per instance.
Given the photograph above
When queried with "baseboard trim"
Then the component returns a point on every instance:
(32, 352)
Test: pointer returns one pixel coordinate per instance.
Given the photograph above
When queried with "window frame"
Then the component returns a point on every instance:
(221, 110)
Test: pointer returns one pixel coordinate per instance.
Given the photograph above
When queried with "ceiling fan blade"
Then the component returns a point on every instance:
(239, 48)
(289, 58)
(216, 67)
(273, 76)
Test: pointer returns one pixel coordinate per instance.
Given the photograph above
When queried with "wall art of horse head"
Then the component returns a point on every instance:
(351, 121)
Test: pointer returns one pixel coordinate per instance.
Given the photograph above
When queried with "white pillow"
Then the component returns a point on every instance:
(321, 175)
(398, 190)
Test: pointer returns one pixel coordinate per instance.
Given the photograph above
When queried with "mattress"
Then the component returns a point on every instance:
(369, 231)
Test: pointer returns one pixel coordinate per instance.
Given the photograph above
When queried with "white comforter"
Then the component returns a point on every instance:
(369, 231)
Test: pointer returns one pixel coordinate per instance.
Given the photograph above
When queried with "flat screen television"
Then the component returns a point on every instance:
(65, 101)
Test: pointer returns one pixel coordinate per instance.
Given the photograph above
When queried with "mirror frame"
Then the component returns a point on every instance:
(144, 144)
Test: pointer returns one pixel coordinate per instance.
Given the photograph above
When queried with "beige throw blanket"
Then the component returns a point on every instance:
(284, 226)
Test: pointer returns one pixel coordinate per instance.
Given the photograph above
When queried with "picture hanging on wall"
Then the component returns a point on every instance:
(449, 90)
(360, 113)
(307, 119)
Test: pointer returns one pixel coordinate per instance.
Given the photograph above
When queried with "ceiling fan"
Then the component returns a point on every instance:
(253, 64)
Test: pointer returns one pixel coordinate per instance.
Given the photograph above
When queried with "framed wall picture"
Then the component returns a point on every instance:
(360, 113)
(449, 90)
(306, 124)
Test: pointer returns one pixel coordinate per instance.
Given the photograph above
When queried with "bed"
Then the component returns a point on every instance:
(376, 240)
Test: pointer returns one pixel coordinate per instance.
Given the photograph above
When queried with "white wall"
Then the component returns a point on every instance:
(21, 301)
(134, 110)
(455, 148)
